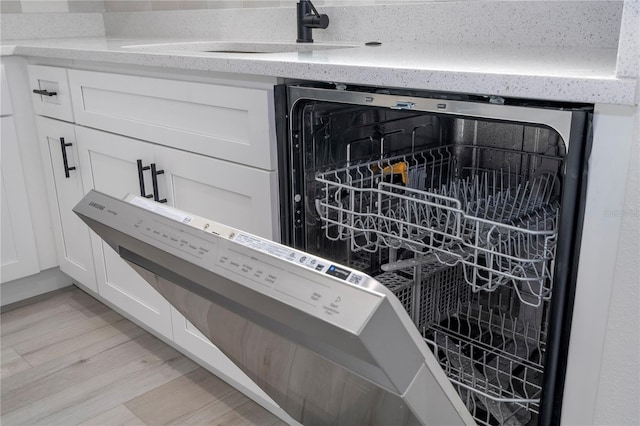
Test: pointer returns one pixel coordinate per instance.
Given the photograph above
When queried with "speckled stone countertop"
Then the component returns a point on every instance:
(557, 74)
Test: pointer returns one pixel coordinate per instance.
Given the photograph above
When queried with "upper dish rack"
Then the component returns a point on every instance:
(454, 204)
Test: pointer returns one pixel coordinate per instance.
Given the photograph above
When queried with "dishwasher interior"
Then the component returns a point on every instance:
(458, 217)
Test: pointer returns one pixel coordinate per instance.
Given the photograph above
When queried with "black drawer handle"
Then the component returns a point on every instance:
(65, 162)
(141, 169)
(44, 92)
(154, 179)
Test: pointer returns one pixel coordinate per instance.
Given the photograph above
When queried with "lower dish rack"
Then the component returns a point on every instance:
(492, 356)
(447, 203)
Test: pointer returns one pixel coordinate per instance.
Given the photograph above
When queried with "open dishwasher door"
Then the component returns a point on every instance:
(328, 344)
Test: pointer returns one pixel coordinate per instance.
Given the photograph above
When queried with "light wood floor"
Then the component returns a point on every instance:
(67, 359)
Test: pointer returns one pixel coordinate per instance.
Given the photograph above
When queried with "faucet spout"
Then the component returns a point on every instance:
(309, 18)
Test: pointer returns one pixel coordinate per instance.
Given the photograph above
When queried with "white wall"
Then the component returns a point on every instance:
(74, 6)
(581, 23)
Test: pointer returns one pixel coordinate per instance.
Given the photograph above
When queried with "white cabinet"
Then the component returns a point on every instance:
(109, 165)
(28, 243)
(236, 195)
(64, 188)
(19, 255)
(203, 147)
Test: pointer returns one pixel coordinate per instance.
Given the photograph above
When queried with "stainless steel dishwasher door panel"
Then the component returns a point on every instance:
(310, 388)
(329, 344)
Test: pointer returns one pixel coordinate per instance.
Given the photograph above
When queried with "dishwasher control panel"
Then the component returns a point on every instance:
(304, 281)
(311, 285)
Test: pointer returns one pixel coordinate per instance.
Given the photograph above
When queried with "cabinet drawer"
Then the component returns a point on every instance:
(230, 123)
(50, 92)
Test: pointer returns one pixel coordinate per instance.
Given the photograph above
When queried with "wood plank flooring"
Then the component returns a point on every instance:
(68, 359)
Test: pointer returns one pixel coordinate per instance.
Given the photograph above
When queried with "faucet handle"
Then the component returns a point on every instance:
(316, 21)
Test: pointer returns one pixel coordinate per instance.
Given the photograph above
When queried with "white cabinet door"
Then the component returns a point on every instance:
(64, 189)
(19, 255)
(239, 196)
(109, 165)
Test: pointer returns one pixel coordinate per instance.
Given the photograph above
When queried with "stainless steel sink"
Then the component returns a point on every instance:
(239, 47)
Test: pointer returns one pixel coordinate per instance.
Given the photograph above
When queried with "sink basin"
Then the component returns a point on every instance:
(239, 47)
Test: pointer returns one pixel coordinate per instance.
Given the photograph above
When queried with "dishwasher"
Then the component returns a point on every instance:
(429, 258)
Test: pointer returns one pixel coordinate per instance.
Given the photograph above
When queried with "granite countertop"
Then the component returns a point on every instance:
(557, 74)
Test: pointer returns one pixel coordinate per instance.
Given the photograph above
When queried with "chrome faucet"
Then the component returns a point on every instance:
(308, 18)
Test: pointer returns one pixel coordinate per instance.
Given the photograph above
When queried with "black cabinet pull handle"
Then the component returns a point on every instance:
(65, 162)
(44, 92)
(141, 169)
(154, 180)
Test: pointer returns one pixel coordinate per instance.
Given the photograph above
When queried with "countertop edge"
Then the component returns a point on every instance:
(581, 89)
